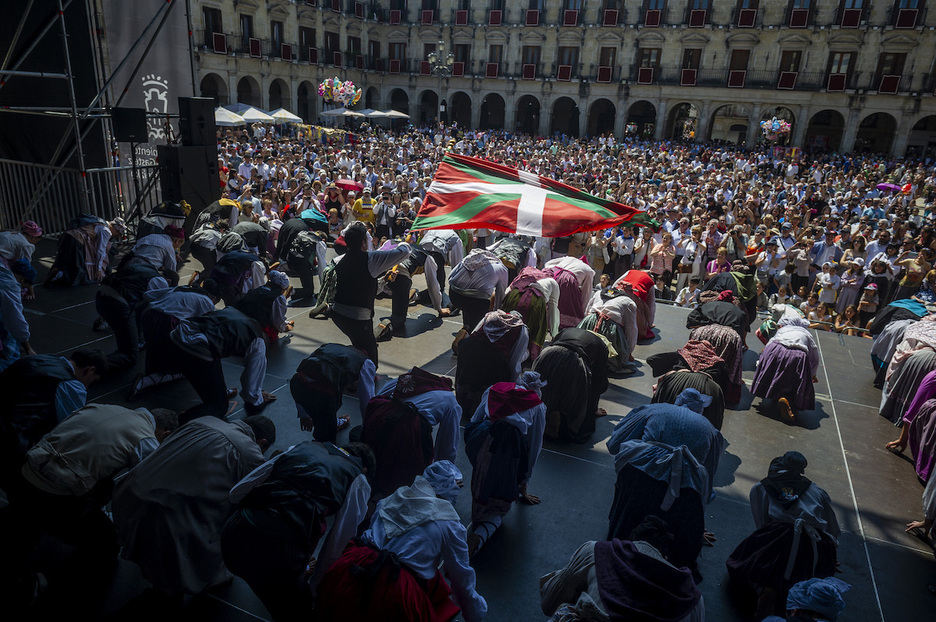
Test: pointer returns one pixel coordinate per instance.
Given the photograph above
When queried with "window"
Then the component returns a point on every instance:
(397, 5)
(697, 13)
(840, 62)
(692, 58)
(653, 13)
(607, 56)
(569, 55)
(906, 13)
(799, 13)
(373, 50)
(276, 35)
(397, 51)
(891, 64)
(790, 60)
(306, 37)
(535, 5)
(332, 43)
(656, 5)
(746, 13)
(800, 4)
(212, 24)
(496, 54)
(739, 60)
(354, 45)
(464, 5)
(247, 31)
(497, 5)
(462, 53)
(850, 13)
(530, 54)
(649, 57)
(430, 5)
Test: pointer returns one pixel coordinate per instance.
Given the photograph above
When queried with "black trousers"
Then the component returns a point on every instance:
(321, 407)
(271, 559)
(360, 332)
(120, 315)
(400, 290)
(207, 378)
(303, 269)
(206, 256)
(473, 310)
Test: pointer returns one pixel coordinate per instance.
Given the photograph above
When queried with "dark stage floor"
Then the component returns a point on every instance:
(875, 492)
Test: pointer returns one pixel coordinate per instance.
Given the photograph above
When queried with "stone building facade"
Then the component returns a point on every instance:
(849, 75)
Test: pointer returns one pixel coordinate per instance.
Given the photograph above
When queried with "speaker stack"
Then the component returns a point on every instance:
(190, 171)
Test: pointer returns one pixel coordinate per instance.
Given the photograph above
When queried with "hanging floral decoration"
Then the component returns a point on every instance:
(775, 129)
(338, 92)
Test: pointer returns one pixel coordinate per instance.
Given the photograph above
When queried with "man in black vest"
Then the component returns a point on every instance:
(200, 345)
(356, 289)
(320, 382)
(116, 302)
(400, 282)
(300, 242)
(160, 312)
(237, 273)
(271, 538)
(39, 392)
(255, 236)
(267, 305)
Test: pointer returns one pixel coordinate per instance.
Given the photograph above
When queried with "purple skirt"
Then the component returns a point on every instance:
(922, 440)
(784, 372)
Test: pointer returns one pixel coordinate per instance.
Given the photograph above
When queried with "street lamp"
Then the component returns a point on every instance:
(440, 64)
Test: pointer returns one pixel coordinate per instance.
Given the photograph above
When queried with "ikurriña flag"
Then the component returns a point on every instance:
(471, 193)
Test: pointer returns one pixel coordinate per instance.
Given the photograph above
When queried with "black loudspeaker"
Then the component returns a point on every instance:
(190, 174)
(196, 121)
(129, 125)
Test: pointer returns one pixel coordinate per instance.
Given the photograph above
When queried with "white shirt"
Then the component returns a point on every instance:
(622, 311)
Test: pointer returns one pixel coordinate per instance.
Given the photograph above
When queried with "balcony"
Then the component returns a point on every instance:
(720, 78)
(226, 43)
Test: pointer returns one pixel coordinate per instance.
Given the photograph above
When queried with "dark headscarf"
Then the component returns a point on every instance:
(785, 481)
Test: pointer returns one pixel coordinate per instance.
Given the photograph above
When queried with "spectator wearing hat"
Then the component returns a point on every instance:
(334, 199)
(363, 208)
(826, 251)
(384, 213)
(787, 238)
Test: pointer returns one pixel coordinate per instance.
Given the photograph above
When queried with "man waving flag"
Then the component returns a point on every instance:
(468, 193)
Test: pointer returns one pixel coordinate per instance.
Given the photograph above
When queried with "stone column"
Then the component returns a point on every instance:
(661, 109)
(753, 126)
(799, 130)
(851, 130)
(702, 125)
(899, 146)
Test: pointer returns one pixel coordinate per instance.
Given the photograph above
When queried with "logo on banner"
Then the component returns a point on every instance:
(156, 100)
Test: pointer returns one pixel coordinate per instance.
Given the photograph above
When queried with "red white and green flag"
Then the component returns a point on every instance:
(470, 193)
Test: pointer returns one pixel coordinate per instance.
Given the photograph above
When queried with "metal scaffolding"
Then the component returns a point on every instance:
(31, 190)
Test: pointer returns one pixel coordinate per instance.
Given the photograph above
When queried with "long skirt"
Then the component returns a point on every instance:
(637, 495)
(903, 383)
(922, 440)
(533, 310)
(571, 307)
(763, 557)
(570, 405)
(727, 344)
(613, 333)
(365, 585)
(671, 385)
(784, 372)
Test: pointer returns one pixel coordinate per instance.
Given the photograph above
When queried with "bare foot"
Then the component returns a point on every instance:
(708, 538)
(267, 397)
(601, 412)
(785, 409)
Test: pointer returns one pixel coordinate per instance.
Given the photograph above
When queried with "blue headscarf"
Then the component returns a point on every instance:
(824, 596)
(693, 400)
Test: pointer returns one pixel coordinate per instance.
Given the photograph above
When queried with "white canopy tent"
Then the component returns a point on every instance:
(395, 114)
(255, 115)
(373, 114)
(238, 107)
(281, 115)
(340, 112)
(226, 118)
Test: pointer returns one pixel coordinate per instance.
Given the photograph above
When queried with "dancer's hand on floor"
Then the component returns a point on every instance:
(708, 538)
